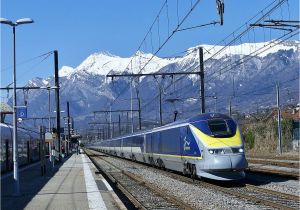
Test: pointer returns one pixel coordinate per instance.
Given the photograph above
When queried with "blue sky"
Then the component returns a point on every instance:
(79, 28)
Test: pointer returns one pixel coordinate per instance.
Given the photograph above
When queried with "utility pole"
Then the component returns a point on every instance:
(119, 125)
(202, 96)
(49, 114)
(111, 134)
(216, 98)
(230, 109)
(42, 150)
(56, 78)
(163, 74)
(113, 111)
(127, 123)
(69, 130)
(160, 106)
(139, 108)
(279, 121)
(131, 105)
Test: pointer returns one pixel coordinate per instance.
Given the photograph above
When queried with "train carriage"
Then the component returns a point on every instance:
(28, 147)
(208, 145)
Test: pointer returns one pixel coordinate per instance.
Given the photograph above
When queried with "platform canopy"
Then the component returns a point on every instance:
(5, 108)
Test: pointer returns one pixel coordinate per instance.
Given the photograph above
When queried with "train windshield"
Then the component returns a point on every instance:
(217, 127)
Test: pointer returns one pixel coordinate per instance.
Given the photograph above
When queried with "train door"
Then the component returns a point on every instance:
(155, 146)
(6, 155)
(183, 138)
(144, 148)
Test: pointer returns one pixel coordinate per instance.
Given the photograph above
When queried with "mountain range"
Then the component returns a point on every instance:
(244, 74)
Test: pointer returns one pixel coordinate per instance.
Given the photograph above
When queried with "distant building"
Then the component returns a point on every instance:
(4, 110)
(294, 114)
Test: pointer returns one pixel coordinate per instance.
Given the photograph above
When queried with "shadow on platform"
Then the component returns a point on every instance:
(31, 182)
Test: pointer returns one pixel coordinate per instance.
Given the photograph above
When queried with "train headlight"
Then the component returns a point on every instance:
(241, 150)
(211, 151)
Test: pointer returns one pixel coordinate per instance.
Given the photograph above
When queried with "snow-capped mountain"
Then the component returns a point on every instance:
(245, 74)
(102, 63)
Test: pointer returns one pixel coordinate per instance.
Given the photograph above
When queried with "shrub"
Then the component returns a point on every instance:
(249, 139)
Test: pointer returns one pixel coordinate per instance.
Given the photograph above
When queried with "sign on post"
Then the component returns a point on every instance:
(21, 112)
(48, 137)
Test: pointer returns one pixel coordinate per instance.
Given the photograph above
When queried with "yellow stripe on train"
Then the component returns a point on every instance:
(180, 156)
(212, 142)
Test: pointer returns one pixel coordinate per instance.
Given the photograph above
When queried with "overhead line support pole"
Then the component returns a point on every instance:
(56, 78)
(202, 96)
(139, 109)
(69, 129)
(160, 107)
(160, 91)
(279, 121)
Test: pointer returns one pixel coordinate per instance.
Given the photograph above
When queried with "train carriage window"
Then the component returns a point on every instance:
(156, 142)
(148, 143)
(118, 142)
(127, 142)
(138, 141)
(170, 141)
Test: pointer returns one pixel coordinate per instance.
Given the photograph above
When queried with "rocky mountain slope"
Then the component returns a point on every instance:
(237, 73)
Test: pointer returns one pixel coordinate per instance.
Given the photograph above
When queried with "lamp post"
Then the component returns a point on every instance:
(15, 146)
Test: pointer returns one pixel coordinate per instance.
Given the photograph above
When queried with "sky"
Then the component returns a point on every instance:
(79, 28)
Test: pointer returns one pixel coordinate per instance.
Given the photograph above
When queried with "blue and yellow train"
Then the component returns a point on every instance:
(208, 145)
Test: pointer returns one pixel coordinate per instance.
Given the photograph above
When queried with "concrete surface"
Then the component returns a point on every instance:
(66, 187)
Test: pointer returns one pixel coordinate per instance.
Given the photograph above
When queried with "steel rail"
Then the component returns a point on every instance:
(273, 172)
(171, 199)
(231, 191)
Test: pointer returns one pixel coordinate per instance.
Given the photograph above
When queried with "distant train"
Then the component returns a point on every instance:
(208, 145)
(28, 147)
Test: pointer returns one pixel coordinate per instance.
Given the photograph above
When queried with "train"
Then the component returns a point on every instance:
(28, 147)
(208, 145)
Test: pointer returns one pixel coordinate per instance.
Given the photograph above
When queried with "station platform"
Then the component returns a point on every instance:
(72, 184)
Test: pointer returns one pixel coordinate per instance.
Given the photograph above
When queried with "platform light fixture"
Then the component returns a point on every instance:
(15, 147)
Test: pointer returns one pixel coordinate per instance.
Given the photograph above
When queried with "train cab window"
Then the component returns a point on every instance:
(202, 126)
(220, 128)
(217, 127)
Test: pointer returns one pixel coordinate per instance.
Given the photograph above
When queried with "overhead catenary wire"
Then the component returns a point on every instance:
(163, 43)
(33, 67)
(265, 14)
(27, 60)
(240, 37)
(276, 43)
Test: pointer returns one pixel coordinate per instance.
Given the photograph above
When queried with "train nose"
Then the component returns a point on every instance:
(226, 162)
(238, 161)
(220, 163)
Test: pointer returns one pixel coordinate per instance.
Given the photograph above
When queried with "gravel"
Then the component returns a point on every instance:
(197, 196)
(278, 184)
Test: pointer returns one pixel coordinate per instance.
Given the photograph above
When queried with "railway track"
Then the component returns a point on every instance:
(281, 163)
(142, 194)
(270, 171)
(284, 168)
(249, 193)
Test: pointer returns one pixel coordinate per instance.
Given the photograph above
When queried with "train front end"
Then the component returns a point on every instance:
(222, 147)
